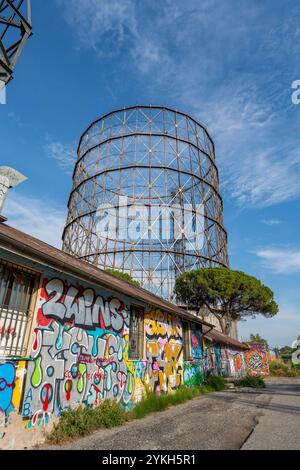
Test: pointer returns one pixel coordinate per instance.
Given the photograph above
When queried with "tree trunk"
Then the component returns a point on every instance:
(225, 323)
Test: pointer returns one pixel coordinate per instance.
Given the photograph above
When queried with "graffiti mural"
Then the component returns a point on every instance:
(237, 364)
(81, 307)
(194, 369)
(79, 352)
(11, 380)
(7, 382)
(164, 364)
(257, 361)
(218, 360)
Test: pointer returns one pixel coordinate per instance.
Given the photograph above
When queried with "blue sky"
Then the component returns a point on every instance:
(229, 64)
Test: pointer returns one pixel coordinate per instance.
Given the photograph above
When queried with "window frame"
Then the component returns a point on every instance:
(186, 339)
(140, 333)
(20, 349)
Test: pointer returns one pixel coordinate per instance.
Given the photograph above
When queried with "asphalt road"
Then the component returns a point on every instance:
(268, 419)
(279, 425)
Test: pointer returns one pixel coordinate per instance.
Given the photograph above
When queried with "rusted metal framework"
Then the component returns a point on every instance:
(145, 197)
(15, 29)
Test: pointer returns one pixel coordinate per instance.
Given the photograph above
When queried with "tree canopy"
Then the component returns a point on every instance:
(228, 294)
(257, 338)
(124, 276)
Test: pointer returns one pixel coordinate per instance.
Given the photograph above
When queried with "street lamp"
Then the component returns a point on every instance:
(9, 178)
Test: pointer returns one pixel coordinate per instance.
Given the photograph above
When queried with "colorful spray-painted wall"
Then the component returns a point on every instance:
(237, 365)
(213, 356)
(78, 355)
(164, 366)
(257, 360)
(194, 369)
(79, 351)
(12, 374)
(222, 360)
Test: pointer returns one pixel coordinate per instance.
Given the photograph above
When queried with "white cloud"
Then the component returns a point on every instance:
(238, 107)
(280, 261)
(225, 72)
(148, 54)
(254, 166)
(64, 155)
(265, 178)
(41, 219)
(272, 222)
(99, 22)
(110, 27)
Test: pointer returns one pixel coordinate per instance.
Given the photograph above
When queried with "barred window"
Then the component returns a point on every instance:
(136, 333)
(16, 289)
(186, 341)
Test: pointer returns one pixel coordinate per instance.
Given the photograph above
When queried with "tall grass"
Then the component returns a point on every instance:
(296, 369)
(79, 422)
(278, 368)
(154, 402)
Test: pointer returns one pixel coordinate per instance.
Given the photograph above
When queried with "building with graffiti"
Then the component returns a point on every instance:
(72, 334)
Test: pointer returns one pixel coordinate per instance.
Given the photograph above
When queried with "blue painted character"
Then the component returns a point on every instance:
(7, 379)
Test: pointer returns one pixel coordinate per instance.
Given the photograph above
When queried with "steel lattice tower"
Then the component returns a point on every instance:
(145, 197)
(15, 29)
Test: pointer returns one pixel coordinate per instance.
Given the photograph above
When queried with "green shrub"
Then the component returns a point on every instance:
(296, 369)
(279, 369)
(81, 421)
(215, 382)
(250, 381)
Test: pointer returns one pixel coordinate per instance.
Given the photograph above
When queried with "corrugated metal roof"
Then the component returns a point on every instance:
(220, 338)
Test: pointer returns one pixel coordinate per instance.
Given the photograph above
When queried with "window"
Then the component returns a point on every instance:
(136, 333)
(16, 288)
(186, 341)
